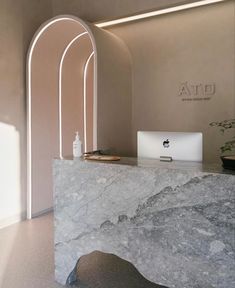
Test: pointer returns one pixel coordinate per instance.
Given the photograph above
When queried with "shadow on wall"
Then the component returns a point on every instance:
(103, 270)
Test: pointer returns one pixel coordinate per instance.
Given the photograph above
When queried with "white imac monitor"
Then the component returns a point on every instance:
(178, 145)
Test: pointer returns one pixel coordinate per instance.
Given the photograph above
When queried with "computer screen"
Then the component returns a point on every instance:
(184, 146)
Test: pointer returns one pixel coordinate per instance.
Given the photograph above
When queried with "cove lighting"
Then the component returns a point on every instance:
(157, 12)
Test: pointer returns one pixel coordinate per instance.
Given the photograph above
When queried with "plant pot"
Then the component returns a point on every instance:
(228, 162)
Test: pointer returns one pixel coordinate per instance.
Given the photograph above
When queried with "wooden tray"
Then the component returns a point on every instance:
(102, 157)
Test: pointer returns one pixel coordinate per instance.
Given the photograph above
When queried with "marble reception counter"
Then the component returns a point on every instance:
(173, 221)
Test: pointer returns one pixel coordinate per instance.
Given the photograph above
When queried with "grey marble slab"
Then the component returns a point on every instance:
(155, 163)
(175, 224)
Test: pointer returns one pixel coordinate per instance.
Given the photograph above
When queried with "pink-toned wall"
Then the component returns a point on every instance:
(45, 108)
(114, 91)
(113, 101)
(19, 20)
(90, 104)
(72, 94)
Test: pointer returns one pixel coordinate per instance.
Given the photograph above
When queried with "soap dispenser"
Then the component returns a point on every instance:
(77, 146)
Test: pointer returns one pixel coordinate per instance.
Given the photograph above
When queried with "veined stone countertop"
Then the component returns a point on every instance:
(155, 163)
(173, 221)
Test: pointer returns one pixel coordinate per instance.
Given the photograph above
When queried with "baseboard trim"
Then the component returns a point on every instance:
(5, 222)
(43, 212)
(13, 219)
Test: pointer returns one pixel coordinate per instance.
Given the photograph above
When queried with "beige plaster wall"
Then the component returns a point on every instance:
(18, 22)
(90, 104)
(45, 104)
(196, 46)
(211, 32)
(101, 10)
(72, 95)
(113, 93)
(113, 96)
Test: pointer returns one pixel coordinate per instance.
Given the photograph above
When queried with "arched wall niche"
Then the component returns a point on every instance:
(74, 96)
(79, 79)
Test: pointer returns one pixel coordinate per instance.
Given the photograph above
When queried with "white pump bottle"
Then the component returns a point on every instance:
(77, 146)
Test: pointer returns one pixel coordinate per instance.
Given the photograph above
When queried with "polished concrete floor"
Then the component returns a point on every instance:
(26, 254)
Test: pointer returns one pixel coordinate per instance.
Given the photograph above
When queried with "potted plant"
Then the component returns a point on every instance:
(228, 148)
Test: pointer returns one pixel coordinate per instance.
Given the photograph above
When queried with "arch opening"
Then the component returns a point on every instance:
(61, 94)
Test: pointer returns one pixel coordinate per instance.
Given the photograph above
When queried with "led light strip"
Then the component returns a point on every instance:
(38, 34)
(155, 13)
(60, 90)
(29, 111)
(85, 100)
